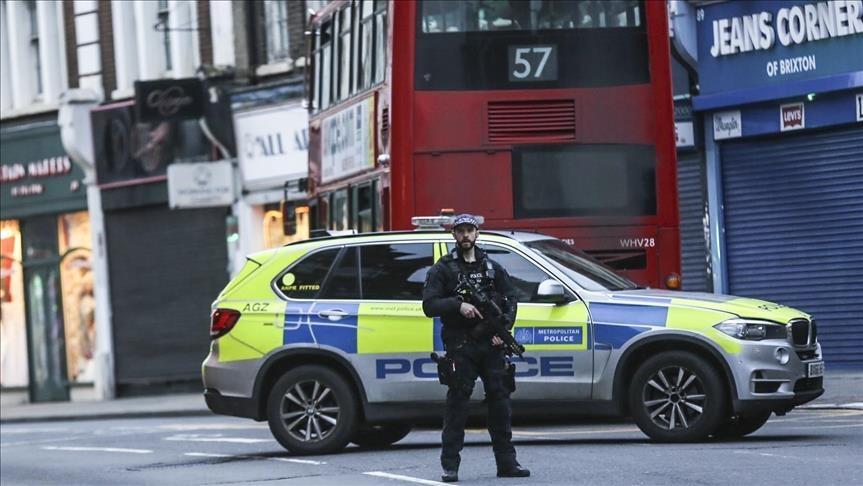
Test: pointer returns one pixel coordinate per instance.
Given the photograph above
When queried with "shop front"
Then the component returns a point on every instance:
(165, 265)
(47, 325)
(782, 94)
(271, 127)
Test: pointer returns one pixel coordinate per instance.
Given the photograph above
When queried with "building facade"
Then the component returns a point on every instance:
(780, 89)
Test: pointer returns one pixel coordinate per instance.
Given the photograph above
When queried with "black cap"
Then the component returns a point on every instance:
(465, 219)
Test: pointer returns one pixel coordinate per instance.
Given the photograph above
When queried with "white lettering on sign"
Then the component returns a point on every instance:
(795, 25)
(637, 242)
(727, 124)
(791, 117)
(272, 145)
(792, 65)
(48, 167)
(860, 107)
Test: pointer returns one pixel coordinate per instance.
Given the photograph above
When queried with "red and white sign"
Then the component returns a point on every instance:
(792, 117)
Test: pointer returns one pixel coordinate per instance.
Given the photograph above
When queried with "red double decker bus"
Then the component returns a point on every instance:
(550, 116)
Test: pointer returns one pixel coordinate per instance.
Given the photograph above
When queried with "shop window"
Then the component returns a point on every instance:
(304, 280)
(79, 303)
(273, 226)
(13, 327)
(339, 215)
(395, 272)
(365, 217)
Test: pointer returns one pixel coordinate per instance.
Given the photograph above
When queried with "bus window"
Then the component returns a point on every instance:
(326, 64)
(366, 24)
(380, 40)
(344, 63)
(584, 180)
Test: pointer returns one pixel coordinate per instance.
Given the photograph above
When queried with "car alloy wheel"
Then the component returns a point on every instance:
(674, 398)
(309, 411)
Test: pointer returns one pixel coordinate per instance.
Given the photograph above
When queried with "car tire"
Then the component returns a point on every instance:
(741, 426)
(377, 436)
(677, 396)
(312, 410)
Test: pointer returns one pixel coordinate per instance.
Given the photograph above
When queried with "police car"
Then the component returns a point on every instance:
(327, 341)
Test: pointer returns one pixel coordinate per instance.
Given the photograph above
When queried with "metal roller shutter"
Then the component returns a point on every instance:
(794, 229)
(166, 267)
(691, 191)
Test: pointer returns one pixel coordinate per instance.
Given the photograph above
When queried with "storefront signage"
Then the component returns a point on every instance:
(169, 99)
(859, 101)
(684, 134)
(347, 141)
(272, 145)
(757, 43)
(727, 124)
(792, 117)
(200, 185)
(35, 174)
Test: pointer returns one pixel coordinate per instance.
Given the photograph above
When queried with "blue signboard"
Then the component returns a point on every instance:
(764, 44)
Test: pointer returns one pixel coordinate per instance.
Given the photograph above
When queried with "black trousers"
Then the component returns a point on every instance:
(474, 359)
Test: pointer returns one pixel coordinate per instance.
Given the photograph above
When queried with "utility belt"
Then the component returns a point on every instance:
(448, 373)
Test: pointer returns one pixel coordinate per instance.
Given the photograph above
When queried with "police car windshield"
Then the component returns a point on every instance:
(584, 270)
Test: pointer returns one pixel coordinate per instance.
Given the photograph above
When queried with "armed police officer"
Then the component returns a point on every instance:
(471, 352)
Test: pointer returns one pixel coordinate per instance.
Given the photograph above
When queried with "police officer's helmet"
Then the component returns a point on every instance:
(465, 219)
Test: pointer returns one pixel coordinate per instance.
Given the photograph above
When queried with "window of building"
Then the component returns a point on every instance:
(305, 279)
(396, 271)
(380, 40)
(276, 30)
(366, 26)
(345, 25)
(13, 317)
(79, 302)
(164, 16)
(344, 280)
(33, 21)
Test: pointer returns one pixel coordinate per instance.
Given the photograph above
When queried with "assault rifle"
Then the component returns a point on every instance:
(493, 322)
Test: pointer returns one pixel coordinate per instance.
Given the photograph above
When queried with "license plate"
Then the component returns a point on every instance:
(815, 369)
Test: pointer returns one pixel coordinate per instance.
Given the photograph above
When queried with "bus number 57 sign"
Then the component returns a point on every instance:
(533, 63)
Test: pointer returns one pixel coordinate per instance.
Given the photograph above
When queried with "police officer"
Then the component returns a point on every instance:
(473, 355)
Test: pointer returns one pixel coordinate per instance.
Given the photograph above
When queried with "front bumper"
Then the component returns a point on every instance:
(765, 384)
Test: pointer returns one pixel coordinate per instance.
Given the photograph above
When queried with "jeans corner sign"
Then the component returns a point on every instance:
(757, 43)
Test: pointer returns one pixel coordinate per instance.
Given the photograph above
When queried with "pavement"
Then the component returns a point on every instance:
(843, 390)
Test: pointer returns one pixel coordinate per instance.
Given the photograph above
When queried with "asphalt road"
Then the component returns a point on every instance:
(806, 447)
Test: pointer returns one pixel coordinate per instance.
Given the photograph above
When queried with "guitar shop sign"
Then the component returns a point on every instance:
(169, 99)
(347, 141)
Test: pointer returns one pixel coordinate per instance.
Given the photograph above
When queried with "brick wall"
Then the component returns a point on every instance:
(205, 37)
(106, 48)
(70, 44)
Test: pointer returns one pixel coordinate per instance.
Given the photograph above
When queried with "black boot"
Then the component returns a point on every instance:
(449, 475)
(513, 470)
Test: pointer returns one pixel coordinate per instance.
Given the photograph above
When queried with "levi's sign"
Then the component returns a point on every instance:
(169, 99)
(791, 117)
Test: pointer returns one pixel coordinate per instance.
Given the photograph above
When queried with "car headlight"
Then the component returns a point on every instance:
(752, 330)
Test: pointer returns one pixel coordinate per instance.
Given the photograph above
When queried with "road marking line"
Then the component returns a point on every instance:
(827, 426)
(190, 427)
(299, 461)
(198, 438)
(205, 454)
(97, 449)
(399, 477)
(574, 432)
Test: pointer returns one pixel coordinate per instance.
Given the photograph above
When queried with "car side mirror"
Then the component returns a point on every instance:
(551, 291)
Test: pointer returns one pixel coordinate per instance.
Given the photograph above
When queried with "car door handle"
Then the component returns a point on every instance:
(333, 315)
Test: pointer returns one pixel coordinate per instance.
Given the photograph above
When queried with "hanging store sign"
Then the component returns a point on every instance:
(200, 185)
(727, 124)
(792, 117)
(684, 134)
(347, 141)
(761, 43)
(272, 145)
(169, 99)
